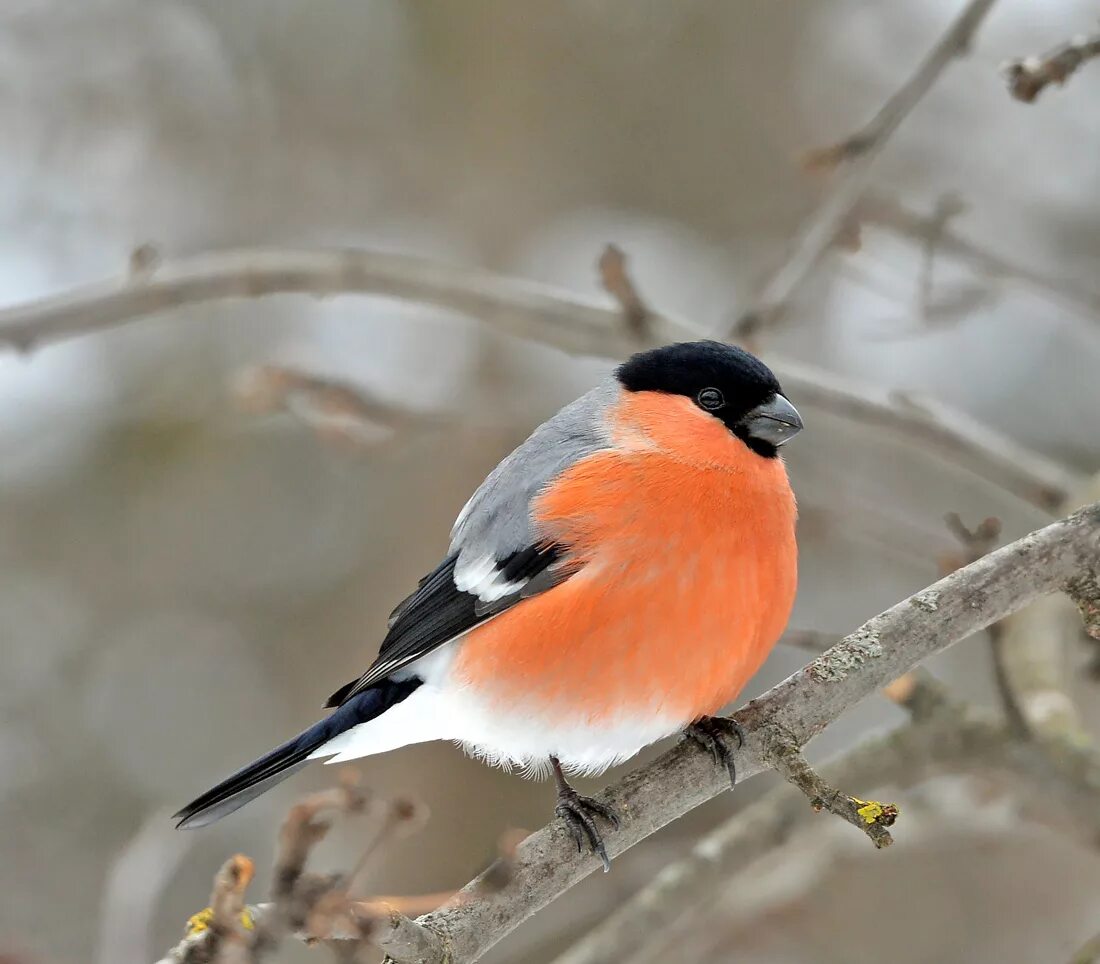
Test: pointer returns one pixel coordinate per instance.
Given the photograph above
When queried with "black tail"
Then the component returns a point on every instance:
(274, 767)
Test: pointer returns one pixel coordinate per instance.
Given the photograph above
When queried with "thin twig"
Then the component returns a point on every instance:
(401, 817)
(319, 907)
(1084, 590)
(294, 893)
(810, 640)
(858, 153)
(920, 693)
(752, 832)
(960, 300)
(870, 816)
(227, 899)
(947, 207)
(761, 827)
(340, 413)
(1028, 77)
(977, 541)
(618, 283)
(144, 261)
(218, 933)
(973, 544)
(930, 230)
(1035, 649)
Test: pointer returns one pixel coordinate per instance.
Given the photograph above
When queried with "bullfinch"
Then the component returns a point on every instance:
(615, 580)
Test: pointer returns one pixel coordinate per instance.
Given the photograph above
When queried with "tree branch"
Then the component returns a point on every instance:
(519, 308)
(1028, 77)
(945, 736)
(756, 830)
(926, 422)
(859, 152)
(1087, 953)
(526, 310)
(1032, 650)
(683, 778)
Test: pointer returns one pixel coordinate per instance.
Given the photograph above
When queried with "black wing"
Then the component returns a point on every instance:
(439, 611)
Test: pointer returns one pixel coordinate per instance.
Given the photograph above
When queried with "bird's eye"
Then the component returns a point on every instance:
(711, 399)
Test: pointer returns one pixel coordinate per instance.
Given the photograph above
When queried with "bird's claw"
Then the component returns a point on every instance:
(713, 733)
(577, 812)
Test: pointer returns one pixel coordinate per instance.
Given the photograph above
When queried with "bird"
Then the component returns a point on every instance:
(616, 580)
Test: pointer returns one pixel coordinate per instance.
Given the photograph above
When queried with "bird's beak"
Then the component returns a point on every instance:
(776, 421)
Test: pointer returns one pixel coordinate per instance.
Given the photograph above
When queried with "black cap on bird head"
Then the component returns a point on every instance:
(728, 382)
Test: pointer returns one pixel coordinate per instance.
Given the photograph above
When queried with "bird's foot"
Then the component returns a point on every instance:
(578, 812)
(715, 733)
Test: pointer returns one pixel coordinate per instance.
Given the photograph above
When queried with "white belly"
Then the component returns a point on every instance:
(516, 739)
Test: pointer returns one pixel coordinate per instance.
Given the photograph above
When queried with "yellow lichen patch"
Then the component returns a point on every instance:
(871, 811)
(197, 923)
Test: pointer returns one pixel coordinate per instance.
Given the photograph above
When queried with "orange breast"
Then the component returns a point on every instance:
(688, 566)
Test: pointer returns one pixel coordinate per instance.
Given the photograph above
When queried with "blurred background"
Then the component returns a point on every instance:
(183, 582)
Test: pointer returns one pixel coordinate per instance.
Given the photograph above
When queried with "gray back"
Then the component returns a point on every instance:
(496, 521)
